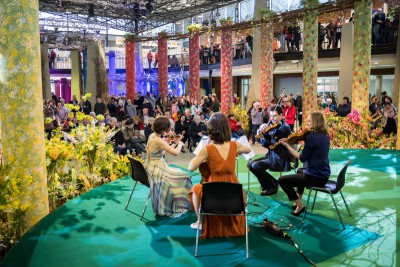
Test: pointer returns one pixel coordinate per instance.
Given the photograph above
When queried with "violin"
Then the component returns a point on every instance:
(294, 138)
(268, 128)
(173, 138)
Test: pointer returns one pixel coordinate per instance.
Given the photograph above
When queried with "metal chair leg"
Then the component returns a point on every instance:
(247, 238)
(197, 236)
(345, 203)
(129, 200)
(308, 200)
(340, 217)
(315, 196)
(145, 206)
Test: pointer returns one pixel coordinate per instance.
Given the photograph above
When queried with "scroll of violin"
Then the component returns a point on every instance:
(294, 138)
(267, 129)
(173, 138)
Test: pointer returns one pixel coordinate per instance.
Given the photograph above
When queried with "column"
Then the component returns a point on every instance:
(46, 88)
(22, 132)
(112, 71)
(97, 83)
(378, 86)
(226, 70)
(76, 77)
(130, 70)
(85, 61)
(396, 87)
(310, 59)
(162, 66)
(254, 92)
(194, 66)
(361, 56)
(57, 88)
(266, 63)
(346, 62)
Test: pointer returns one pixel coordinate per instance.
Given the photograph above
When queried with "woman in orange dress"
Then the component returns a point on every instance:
(221, 158)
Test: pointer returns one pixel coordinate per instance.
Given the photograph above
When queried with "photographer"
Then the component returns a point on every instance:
(256, 119)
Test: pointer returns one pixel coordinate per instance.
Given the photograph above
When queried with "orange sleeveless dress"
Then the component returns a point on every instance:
(221, 171)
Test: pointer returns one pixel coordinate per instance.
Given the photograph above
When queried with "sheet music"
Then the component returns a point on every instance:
(243, 140)
(205, 140)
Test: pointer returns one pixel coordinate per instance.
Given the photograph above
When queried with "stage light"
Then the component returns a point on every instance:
(217, 14)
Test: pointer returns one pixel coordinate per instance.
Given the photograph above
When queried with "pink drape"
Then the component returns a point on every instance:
(162, 66)
(194, 66)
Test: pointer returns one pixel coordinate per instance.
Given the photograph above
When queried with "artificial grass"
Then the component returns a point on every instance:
(95, 230)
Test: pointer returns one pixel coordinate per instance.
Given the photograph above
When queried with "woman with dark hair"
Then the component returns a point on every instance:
(215, 104)
(169, 187)
(314, 156)
(220, 156)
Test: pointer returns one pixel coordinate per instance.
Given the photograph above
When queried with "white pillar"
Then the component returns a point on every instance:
(346, 62)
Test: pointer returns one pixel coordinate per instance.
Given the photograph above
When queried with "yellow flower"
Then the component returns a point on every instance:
(54, 154)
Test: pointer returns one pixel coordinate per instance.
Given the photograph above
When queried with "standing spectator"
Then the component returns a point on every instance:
(112, 107)
(155, 59)
(377, 26)
(288, 31)
(99, 107)
(330, 32)
(296, 37)
(256, 120)
(289, 113)
(321, 35)
(52, 58)
(149, 58)
(215, 104)
(390, 115)
(130, 109)
(338, 32)
(344, 108)
(138, 102)
(87, 107)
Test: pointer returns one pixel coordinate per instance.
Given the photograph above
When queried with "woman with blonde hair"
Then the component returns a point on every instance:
(315, 158)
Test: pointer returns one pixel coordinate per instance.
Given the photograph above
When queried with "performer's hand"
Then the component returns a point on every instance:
(283, 141)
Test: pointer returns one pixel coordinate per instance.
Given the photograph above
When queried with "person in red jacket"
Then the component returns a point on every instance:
(289, 113)
(236, 127)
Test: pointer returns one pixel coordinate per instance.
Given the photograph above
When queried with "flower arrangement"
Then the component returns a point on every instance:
(86, 96)
(241, 116)
(266, 14)
(163, 34)
(356, 131)
(226, 22)
(12, 210)
(194, 28)
(129, 38)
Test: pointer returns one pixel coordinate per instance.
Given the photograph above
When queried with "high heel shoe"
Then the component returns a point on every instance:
(294, 207)
(298, 213)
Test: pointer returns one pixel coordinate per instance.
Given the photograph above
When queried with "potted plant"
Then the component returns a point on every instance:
(226, 22)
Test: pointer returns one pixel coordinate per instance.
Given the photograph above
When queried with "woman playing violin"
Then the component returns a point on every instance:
(169, 187)
(275, 160)
(316, 169)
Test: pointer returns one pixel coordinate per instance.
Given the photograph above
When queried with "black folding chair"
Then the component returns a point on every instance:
(222, 199)
(331, 187)
(139, 174)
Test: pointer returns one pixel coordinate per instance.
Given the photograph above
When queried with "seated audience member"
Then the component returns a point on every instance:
(131, 138)
(344, 108)
(148, 130)
(182, 128)
(118, 140)
(197, 130)
(236, 127)
(331, 107)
